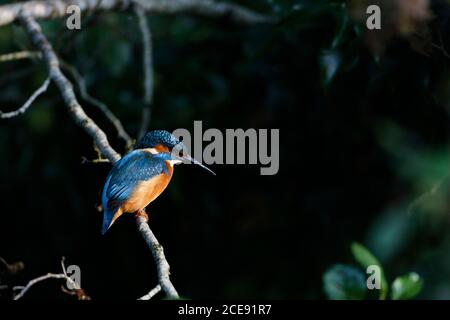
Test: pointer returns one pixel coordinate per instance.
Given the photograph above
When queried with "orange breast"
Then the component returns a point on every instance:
(147, 191)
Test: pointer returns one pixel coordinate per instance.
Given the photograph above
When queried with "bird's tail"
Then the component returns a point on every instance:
(109, 217)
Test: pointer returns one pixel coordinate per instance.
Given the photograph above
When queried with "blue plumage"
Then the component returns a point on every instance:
(125, 176)
(138, 178)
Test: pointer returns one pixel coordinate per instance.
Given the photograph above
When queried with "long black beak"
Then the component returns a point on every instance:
(190, 159)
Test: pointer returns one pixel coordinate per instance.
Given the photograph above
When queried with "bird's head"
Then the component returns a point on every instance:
(166, 146)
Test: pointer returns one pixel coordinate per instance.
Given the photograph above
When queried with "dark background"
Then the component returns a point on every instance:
(364, 132)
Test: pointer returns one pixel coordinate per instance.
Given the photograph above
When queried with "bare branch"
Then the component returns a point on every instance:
(76, 291)
(98, 160)
(28, 103)
(158, 255)
(79, 293)
(152, 293)
(58, 9)
(97, 103)
(19, 55)
(75, 109)
(15, 288)
(65, 87)
(441, 48)
(24, 290)
(63, 265)
(147, 61)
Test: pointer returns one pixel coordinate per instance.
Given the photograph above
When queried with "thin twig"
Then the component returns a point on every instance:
(12, 268)
(19, 55)
(97, 103)
(147, 62)
(145, 122)
(15, 288)
(158, 255)
(24, 290)
(37, 280)
(152, 293)
(441, 47)
(65, 87)
(28, 103)
(100, 160)
(442, 50)
(39, 40)
(27, 12)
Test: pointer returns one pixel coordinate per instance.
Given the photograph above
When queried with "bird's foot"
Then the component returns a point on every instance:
(142, 213)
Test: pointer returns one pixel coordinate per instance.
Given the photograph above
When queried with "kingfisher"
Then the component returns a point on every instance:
(142, 175)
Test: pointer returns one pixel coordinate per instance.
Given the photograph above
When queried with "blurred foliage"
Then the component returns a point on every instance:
(344, 282)
(366, 259)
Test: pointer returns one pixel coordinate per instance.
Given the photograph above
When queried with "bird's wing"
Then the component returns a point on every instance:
(126, 174)
(124, 177)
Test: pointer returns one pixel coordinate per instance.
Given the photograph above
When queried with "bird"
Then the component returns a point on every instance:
(141, 175)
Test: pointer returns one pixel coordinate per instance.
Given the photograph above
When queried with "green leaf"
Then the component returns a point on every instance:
(342, 282)
(365, 258)
(406, 287)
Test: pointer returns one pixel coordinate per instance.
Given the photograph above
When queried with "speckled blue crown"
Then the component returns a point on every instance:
(156, 137)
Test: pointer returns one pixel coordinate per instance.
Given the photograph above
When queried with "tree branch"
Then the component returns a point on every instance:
(147, 62)
(65, 87)
(28, 103)
(37, 280)
(147, 59)
(152, 293)
(58, 8)
(39, 40)
(75, 291)
(158, 255)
